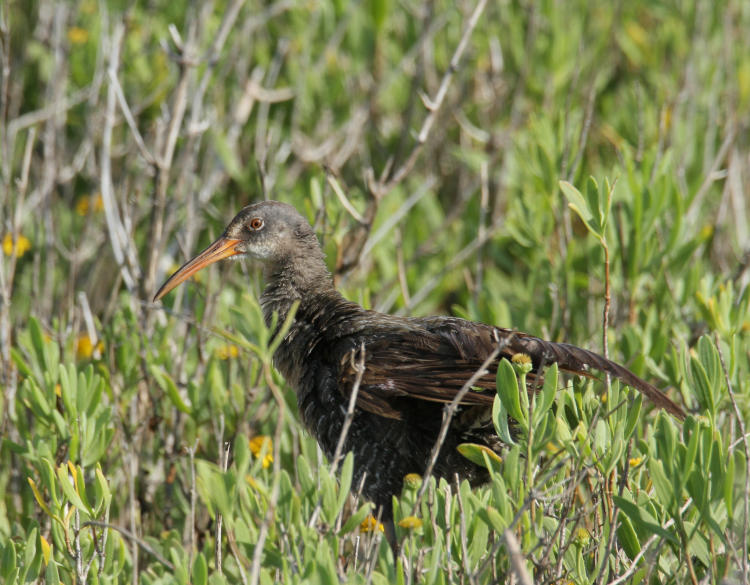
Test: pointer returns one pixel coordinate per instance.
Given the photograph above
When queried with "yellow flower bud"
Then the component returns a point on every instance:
(410, 523)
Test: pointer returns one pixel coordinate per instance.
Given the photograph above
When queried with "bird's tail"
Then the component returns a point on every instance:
(579, 361)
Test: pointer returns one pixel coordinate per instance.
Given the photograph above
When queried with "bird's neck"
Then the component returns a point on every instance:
(303, 279)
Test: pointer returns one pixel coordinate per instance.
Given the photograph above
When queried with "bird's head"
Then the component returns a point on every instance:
(270, 231)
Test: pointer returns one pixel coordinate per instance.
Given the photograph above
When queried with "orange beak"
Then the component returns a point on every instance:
(220, 249)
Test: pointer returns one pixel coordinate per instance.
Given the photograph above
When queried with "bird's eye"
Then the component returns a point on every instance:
(256, 223)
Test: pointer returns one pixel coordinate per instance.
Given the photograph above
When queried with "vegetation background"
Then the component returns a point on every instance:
(436, 146)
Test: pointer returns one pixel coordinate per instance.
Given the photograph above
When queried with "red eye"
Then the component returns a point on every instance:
(256, 223)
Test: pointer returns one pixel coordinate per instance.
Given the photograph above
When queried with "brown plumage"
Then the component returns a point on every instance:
(413, 366)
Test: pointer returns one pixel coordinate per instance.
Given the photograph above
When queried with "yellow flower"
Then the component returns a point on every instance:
(82, 205)
(410, 522)
(85, 349)
(412, 480)
(86, 204)
(635, 461)
(22, 245)
(370, 524)
(227, 351)
(262, 444)
(78, 35)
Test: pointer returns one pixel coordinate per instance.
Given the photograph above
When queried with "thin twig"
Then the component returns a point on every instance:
(223, 464)
(359, 367)
(516, 558)
(433, 105)
(117, 235)
(193, 497)
(122, 100)
(333, 182)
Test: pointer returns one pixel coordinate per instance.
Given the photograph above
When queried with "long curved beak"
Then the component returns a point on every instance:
(222, 248)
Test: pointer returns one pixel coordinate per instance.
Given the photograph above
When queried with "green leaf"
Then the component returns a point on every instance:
(68, 390)
(378, 13)
(703, 387)
(93, 385)
(662, 484)
(37, 341)
(729, 486)
(627, 537)
(104, 494)
(614, 452)
(329, 501)
(717, 472)
(665, 436)
(305, 475)
(200, 570)
(578, 204)
(355, 519)
(493, 519)
(8, 561)
(633, 416)
(52, 577)
(690, 453)
(642, 519)
(32, 556)
(512, 469)
(709, 357)
(216, 486)
(508, 391)
(500, 421)
(480, 455)
(38, 400)
(68, 488)
(547, 396)
(20, 361)
(167, 384)
(594, 203)
(345, 481)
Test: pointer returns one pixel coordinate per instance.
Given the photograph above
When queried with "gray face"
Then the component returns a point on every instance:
(268, 230)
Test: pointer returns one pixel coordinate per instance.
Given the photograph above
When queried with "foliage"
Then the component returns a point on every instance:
(583, 155)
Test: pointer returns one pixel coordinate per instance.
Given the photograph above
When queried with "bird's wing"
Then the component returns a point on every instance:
(432, 361)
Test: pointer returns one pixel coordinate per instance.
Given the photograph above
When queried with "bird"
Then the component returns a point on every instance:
(403, 371)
